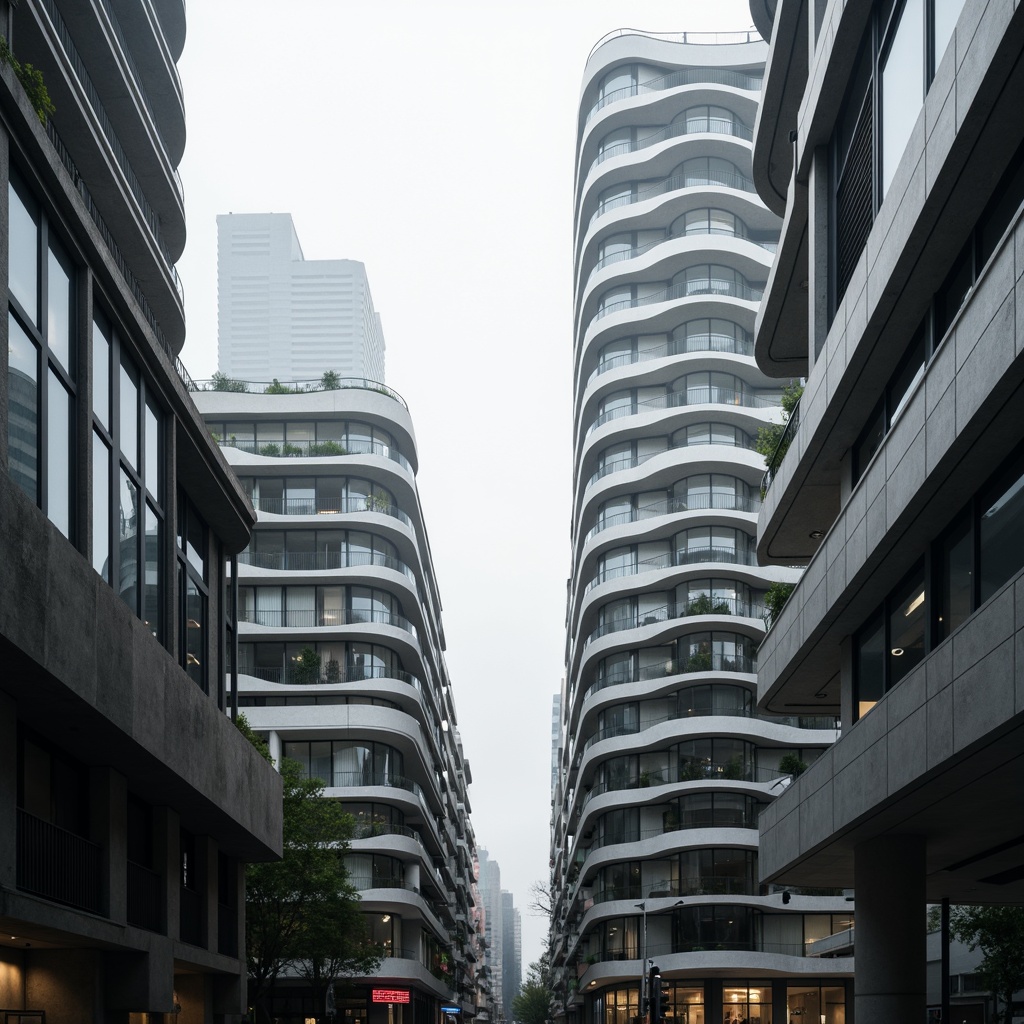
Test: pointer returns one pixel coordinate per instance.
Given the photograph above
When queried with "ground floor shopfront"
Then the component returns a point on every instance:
(731, 1001)
(294, 1002)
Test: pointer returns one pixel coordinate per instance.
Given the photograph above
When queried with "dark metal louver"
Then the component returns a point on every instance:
(854, 201)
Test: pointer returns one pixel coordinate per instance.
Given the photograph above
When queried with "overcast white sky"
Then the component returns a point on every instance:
(434, 141)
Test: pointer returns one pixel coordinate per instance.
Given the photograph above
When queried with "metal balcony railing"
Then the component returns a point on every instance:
(57, 864)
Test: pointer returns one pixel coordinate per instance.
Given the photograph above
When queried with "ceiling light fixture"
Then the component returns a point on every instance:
(816, 535)
(897, 652)
(914, 605)
(821, 696)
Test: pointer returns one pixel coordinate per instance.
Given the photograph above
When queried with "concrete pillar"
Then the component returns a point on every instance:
(8, 788)
(108, 811)
(890, 980)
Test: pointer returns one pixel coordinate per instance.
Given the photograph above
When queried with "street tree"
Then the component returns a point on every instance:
(998, 931)
(533, 1004)
(301, 912)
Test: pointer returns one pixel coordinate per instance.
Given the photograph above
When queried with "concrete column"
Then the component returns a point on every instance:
(108, 811)
(167, 861)
(890, 981)
(8, 788)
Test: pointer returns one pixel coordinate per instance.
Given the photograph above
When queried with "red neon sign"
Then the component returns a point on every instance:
(391, 995)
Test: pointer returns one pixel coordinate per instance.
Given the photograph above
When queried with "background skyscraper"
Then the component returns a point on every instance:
(281, 315)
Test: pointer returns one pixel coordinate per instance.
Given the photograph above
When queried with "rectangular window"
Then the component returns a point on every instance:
(903, 85)
(1001, 529)
(41, 360)
(127, 511)
(23, 409)
(956, 579)
(193, 610)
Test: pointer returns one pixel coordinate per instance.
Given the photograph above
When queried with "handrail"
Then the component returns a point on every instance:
(151, 217)
(630, 254)
(297, 387)
(690, 556)
(295, 675)
(704, 394)
(331, 506)
(316, 449)
(785, 439)
(691, 343)
(328, 617)
(694, 770)
(665, 613)
(712, 126)
(316, 561)
(632, 461)
(722, 179)
(684, 289)
(669, 506)
(137, 78)
(683, 76)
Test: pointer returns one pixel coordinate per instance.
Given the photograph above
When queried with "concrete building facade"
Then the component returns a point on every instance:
(341, 666)
(890, 141)
(281, 315)
(666, 764)
(129, 803)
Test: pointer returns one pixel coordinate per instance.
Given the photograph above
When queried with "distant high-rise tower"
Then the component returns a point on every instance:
(281, 315)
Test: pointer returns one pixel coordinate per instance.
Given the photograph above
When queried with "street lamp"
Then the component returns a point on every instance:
(644, 962)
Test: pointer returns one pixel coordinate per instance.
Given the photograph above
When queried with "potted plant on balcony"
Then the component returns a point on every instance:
(307, 667)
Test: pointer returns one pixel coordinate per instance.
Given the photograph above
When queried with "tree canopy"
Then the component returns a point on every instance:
(999, 933)
(533, 1004)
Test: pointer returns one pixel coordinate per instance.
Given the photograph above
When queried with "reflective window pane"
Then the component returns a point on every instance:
(128, 531)
(23, 409)
(100, 374)
(152, 451)
(907, 617)
(195, 632)
(946, 14)
(100, 506)
(23, 253)
(129, 408)
(1002, 530)
(60, 312)
(151, 600)
(58, 455)
(902, 87)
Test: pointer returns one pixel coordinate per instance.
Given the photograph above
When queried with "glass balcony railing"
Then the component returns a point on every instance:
(718, 179)
(324, 617)
(298, 675)
(324, 506)
(670, 613)
(668, 560)
(701, 395)
(691, 126)
(674, 79)
(328, 382)
(670, 506)
(685, 290)
(628, 254)
(315, 449)
(316, 561)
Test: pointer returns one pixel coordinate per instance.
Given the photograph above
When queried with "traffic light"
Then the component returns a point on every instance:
(654, 988)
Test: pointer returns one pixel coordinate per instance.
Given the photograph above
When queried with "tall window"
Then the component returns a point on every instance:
(193, 592)
(128, 512)
(42, 344)
(903, 44)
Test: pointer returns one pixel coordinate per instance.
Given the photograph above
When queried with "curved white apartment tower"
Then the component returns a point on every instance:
(667, 763)
(340, 663)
